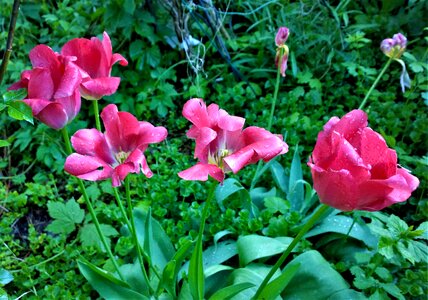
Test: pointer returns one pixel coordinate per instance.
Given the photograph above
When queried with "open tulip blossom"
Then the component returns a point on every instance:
(353, 168)
(95, 58)
(222, 145)
(52, 87)
(117, 152)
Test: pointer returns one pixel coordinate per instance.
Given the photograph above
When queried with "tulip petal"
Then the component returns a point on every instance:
(119, 58)
(43, 56)
(69, 83)
(89, 54)
(335, 188)
(87, 167)
(374, 151)
(91, 142)
(206, 136)
(40, 84)
(150, 134)
(97, 88)
(71, 104)
(195, 111)
(122, 128)
(201, 171)
(140, 163)
(50, 113)
(375, 195)
(228, 122)
(351, 124)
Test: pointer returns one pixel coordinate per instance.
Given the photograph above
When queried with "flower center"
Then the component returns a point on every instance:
(216, 158)
(121, 156)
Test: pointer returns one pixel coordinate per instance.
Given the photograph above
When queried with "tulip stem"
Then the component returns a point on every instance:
(134, 234)
(122, 209)
(272, 111)
(97, 115)
(91, 208)
(308, 225)
(375, 83)
(275, 93)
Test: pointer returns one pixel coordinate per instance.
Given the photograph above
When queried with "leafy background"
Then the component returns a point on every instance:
(334, 58)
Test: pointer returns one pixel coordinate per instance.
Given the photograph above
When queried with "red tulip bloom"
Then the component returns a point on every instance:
(95, 59)
(52, 87)
(353, 168)
(222, 145)
(117, 152)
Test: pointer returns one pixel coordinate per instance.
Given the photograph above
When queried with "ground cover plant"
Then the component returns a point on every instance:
(225, 150)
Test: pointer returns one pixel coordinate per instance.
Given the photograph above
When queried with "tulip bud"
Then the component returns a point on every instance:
(281, 36)
(394, 47)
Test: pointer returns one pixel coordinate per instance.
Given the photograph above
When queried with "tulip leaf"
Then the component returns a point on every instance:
(196, 272)
(315, 278)
(252, 247)
(276, 286)
(232, 187)
(278, 174)
(5, 277)
(160, 245)
(342, 224)
(20, 111)
(230, 291)
(108, 286)
(295, 185)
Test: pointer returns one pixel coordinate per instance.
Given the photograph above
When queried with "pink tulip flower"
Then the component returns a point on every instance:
(353, 168)
(52, 87)
(95, 58)
(282, 51)
(117, 152)
(221, 144)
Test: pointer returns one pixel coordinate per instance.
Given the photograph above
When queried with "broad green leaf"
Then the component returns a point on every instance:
(136, 49)
(315, 278)
(253, 273)
(342, 224)
(230, 291)
(4, 143)
(347, 294)
(295, 186)
(196, 272)
(252, 247)
(108, 286)
(279, 176)
(5, 277)
(134, 276)
(217, 254)
(14, 95)
(89, 235)
(65, 216)
(20, 111)
(170, 272)
(161, 247)
(276, 286)
(229, 187)
(259, 194)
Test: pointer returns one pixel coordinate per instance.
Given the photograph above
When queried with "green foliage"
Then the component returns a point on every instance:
(65, 216)
(334, 58)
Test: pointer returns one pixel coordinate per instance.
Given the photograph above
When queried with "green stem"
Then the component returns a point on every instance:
(97, 115)
(275, 94)
(122, 209)
(272, 111)
(375, 83)
(318, 214)
(197, 288)
(91, 208)
(134, 234)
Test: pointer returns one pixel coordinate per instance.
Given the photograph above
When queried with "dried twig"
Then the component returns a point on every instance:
(8, 50)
